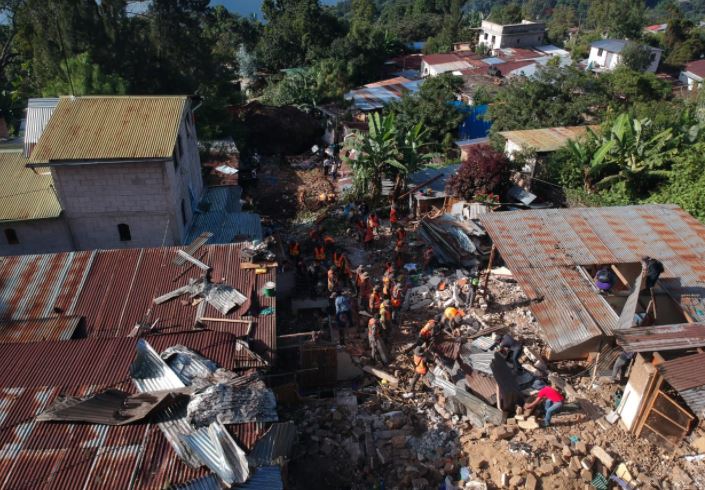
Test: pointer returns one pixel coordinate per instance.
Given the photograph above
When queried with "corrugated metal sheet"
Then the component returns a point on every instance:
(266, 478)
(220, 212)
(543, 247)
(274, 448)
(25, 194)
(110, 127)
(695, 399)
(39, 112)
(662, 337)
(545, 139)
(377, 95)
(684, 373)
(41, 329)
(114, 290)
(68, 456)
(209, 482)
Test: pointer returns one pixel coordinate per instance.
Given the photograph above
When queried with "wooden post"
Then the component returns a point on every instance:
(489, 269)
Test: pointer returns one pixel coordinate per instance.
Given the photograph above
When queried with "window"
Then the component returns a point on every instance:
(486, 36)
(11, 236)
(599, 52)
(183, 212)
(124, 231)
(493, 38)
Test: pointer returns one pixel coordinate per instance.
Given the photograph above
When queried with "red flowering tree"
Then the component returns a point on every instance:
(485, 171)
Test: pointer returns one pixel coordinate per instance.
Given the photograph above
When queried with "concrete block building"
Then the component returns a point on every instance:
(524, 35)
(125, 172)
(606, 55)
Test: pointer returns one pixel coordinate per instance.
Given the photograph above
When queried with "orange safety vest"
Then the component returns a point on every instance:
(375, 301)
(385, 285)
(420, 365)
(396, 298)
(328, 240)
(294, 249)
(339, 260)
(319, 253)
(427, 329)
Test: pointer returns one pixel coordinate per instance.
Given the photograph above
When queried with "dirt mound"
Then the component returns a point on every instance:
(279, 130)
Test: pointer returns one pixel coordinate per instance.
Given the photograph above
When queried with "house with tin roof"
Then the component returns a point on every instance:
(693, 74)
(606, 55)
(121, 172)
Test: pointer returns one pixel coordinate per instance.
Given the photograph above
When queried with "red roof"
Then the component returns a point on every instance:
(506, 68)
(67, 456)
(113, 290)
(440, 58)
(408, 62)
(696, 68)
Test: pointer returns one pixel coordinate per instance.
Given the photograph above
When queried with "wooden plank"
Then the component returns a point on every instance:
(262, 265)
(300, 334)
(381, 374)
(619, 274)
(626, 318)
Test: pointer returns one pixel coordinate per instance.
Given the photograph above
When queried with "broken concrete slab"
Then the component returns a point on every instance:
(381, 375)
(602, 456)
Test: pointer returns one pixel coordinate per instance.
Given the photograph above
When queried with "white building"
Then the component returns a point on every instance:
(606, 55)
(124, 172)
(523, 35)
(693, 74)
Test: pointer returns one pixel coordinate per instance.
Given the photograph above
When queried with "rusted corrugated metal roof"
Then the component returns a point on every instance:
(59, 328)
(662, 337)
(543, 247)
(544, 139)
(114, 290)
(684, 373)
(66, 456)
(111, 128)
(24, 193)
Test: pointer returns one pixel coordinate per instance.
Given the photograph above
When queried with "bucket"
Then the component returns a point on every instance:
(270, 289)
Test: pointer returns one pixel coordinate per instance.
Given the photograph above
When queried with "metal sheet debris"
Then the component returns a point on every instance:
(188, 365)
(110, 407)
(265, 478)
(234, 403)
(219, 452)
(274, 448)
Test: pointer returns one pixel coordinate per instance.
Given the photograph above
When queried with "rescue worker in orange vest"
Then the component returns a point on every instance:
(364, 287)
(294, 249)
(401, 233)
(375, 340)
(386, 285)
(428, 332)
(322, 200)
(373, 222)
(452, 317)
(319, 254)
(314, 234)
(385, 319)
(393, 217)
(420, 368)
(332, 279)
(396, 301)
(375, 300)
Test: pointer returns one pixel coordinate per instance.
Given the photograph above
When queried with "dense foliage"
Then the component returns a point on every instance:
(484, 171)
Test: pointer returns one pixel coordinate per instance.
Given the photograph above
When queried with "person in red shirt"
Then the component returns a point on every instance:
(554, 402)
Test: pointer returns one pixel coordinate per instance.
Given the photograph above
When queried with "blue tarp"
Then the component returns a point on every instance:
(473, 126)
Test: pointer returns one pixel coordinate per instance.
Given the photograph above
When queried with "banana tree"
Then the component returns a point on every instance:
(632, 153)
(410, 144)
(372, 153)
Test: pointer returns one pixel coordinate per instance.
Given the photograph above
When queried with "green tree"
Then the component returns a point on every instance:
(431, 107)
(84, 78)
(564, 96)
(562, 18)
(506, 14)
(636, 56)
(296, 32)
(627, 86)
(623, 19)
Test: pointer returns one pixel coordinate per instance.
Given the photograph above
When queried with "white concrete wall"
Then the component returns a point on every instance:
(36, 237)
(690, 83)
(524, 35)
(609, 61)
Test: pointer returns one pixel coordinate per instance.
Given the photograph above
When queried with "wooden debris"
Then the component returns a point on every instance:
(381, 374)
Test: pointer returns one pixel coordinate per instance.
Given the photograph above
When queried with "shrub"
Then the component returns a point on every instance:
(485, 171)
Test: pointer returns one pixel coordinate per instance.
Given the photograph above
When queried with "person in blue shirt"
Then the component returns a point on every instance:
(343, 310)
